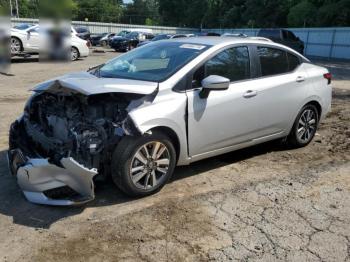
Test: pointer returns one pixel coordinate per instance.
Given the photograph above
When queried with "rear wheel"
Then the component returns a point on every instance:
(305, 126)
(74, 53)
(143, 165)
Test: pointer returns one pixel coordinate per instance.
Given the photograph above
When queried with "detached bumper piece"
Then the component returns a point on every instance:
(50, 184)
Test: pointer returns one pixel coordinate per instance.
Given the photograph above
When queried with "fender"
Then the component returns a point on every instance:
(165, 113)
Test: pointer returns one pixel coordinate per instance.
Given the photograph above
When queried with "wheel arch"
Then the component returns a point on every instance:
(172, 135)
(317, 105)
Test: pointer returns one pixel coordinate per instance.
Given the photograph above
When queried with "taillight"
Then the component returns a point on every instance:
(328, 76)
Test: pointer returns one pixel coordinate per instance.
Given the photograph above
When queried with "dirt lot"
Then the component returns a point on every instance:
(263, 203)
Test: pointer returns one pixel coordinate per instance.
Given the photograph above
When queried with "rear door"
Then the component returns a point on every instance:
(281, 88)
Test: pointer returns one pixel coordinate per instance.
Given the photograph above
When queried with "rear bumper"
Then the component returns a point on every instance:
(84, 51)
(39, 179)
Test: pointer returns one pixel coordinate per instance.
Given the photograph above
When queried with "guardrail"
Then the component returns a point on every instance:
(330, 43)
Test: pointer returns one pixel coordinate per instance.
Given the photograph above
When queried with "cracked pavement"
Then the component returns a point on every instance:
(266, 203)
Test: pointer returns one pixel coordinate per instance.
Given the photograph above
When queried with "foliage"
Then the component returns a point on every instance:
(302, 14)
(197, 13)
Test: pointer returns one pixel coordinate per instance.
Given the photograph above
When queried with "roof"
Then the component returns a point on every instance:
(216, 40)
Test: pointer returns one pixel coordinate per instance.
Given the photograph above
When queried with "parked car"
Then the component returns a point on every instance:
(130, 41)
(104, 41)
(172, 102)
(115, 36)
(163, 37)
(284, 37)
(30, 41)
(83, 33)
(95, 38)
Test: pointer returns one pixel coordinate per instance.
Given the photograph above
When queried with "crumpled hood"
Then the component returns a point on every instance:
(88, 84)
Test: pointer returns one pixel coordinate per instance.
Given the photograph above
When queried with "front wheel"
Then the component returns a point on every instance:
(142, 165)
(305, 126)
(16, 45)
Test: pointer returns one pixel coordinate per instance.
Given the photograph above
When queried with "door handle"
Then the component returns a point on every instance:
(300, 79)
(250, 93)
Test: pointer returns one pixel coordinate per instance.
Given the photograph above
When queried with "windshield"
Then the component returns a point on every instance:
(155, 62)
(22, 26)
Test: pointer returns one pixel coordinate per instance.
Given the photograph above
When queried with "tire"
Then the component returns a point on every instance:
(139, 179)
(74, 53)
(104, 43)
(16, 45)
(304, 127)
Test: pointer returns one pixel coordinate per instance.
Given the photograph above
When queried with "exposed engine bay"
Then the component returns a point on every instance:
(85, 128)
(71, 126)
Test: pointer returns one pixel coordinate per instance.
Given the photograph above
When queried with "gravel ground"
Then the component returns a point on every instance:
(264, 203)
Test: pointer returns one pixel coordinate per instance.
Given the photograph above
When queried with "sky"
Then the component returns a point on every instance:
(127, 1)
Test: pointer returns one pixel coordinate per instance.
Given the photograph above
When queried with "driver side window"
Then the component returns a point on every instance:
(232, 63)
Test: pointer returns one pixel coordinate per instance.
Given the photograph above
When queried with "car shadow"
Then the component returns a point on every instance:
(23, 60)
(13, 204)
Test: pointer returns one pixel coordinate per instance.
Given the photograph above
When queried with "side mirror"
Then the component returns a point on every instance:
(214, 82)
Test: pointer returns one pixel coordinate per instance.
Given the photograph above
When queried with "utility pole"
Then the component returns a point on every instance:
(10, 8)
(17, 10)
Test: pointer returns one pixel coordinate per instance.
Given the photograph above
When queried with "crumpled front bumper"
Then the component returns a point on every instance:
(45, 183)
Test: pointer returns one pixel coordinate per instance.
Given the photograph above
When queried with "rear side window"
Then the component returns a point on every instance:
(273, 61)
(232, 63)
(293, 62)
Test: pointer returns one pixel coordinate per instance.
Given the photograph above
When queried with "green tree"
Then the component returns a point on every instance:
(98, 10)
(302, 14)
(139, 11)
(336, 13)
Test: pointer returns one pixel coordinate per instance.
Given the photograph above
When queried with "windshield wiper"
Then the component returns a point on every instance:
(96, 70)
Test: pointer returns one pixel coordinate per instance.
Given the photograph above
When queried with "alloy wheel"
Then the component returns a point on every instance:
(307, 125)
(149, 165)
(15, 46)
(74, 54)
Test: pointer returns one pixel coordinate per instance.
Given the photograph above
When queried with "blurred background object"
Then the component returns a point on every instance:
(5, 57)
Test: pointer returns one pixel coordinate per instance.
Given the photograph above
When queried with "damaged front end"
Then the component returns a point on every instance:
(65, 140)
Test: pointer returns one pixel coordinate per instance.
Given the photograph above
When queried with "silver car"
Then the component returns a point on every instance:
(168, 103)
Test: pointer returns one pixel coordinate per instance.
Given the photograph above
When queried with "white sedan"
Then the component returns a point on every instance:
(31, 41)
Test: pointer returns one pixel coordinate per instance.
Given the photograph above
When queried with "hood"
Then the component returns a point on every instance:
(88, 84)
(14, 30)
